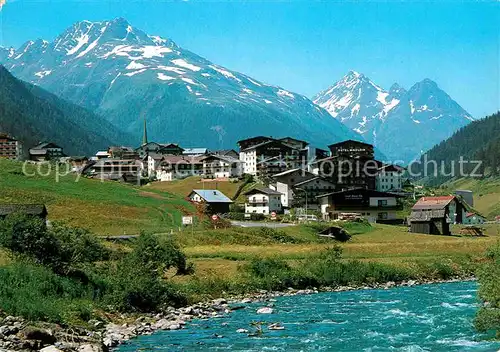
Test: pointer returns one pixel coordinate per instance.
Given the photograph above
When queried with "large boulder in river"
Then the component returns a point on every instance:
(265, 310)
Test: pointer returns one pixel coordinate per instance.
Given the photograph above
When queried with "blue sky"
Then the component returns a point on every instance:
(304, 46)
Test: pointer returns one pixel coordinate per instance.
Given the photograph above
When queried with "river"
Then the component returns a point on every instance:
(434, 317)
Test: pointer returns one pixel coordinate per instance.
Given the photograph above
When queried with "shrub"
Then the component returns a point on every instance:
(275, 235)
(488, 316)
(58, 248)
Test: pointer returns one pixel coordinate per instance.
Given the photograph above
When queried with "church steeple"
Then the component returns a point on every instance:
(145, 135)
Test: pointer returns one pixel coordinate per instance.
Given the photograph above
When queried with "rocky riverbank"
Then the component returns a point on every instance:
(17, 334)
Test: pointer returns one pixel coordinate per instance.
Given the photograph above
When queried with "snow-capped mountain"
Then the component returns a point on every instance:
(401, 123)
(125, 75)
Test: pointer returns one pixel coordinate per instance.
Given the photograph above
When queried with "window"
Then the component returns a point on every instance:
(382, 216)
(382, 202)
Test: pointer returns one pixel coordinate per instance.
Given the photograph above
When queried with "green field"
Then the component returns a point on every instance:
(106, 208)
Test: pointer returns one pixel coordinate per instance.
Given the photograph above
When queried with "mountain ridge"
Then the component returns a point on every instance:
(124, 74)
(402, 123)
(33, 115)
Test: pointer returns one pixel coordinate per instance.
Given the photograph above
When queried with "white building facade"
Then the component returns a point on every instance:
(263, 201)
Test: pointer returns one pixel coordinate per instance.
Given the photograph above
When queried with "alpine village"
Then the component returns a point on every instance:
(160, 202)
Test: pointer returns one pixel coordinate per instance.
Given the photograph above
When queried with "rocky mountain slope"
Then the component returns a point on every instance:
(33, 115)
(124, 75)
(403, 124)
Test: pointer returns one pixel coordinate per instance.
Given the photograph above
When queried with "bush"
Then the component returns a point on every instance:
(488, 316)
(275, 235)
(36, 293)
(138, 284)
(58, 248)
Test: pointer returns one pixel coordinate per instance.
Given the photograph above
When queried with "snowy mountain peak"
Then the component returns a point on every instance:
(376, 113)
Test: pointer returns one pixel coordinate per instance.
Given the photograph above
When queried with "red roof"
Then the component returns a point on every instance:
(433, 202)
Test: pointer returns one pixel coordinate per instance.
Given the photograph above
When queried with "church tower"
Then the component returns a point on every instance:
(145, 134)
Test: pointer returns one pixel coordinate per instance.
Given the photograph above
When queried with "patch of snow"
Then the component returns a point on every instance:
(130, 74)
(89, 48)
(254, 82)
(268, 101)
(81, 41)
(381, 97)
(164, 77)
(205, 75)
(185, 64)
(114, 79)
(188, 80)
(198, 94)
(150, 51)
(412, 107)
(355, 109)
(225, 73)
(157, 39)
(129, 29)
(437, 117)
(285, 93)
(416, 121)
(172, 69)
(391, 105)
(363, 123)
(249, 91)
(135, 66)
(189, 89)
(88, 64)
(42, 74)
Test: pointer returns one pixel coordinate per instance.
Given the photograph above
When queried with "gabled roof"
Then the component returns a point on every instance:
(349, 141)
(372, 192)
(287, 172)
(226, 158)
(30, 209)
(391, 167)
(294, 139)
(46, 145)
(311, 180)
(263, 190)
(428, 203)
(195, 151)
(211, 195)
(266, 143)
(224, 152)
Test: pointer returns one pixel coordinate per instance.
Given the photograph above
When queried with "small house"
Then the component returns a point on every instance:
(263, 200)
(45, 152)
(221, 166)
(216, 201)
(372, 205)
(35, 210)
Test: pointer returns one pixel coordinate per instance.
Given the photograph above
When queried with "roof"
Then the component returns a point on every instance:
(347, 141)
(426, 215)
(268, 142)
(182, 159)
(224, 152)
(263, 190)
(38, 151)
(391, 167)
(102, 153)
(195, 151)
(312, 179)
(364, 190)
(226, 158)
(30, 209)
(425, 203)
(287, 172)
(46, 145)
(294, 139)
(212, 195)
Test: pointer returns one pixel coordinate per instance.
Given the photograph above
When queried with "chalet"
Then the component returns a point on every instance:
(10, 148)
(270, 157)
(433, 215)
(215, 201)
(389, 177)
(284, 182)
(103, 154)
(221, 166)
(128, 171)
(372, 205)
(158, 148)
(174, 167)
(350, 166)
(263, 200)
(35, 210)
(195, 151)
(122, 152)
(226, 152)
(45, 152)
